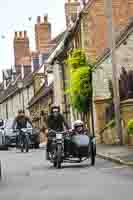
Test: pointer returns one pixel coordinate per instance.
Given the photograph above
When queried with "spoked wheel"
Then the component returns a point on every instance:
(22, 145)
(53, 156)
(59, 155)
(26, 144)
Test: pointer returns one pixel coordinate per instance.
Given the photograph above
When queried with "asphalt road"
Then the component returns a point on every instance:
(30, 177)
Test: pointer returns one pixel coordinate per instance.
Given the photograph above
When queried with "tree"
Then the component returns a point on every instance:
(80, 85)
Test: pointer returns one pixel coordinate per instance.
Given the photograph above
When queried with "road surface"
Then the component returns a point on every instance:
(30, 177)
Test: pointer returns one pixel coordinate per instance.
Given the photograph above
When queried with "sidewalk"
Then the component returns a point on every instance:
(115, 153)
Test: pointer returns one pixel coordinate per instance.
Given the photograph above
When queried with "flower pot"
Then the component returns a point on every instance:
(130, 140)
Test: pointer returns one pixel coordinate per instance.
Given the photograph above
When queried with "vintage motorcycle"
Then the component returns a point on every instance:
(65, 147)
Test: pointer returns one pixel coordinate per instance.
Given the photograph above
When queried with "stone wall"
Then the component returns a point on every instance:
(104, 70)
(110, 136)
(100, 120)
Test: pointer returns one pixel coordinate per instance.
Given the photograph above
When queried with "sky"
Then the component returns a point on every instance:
(14, 16)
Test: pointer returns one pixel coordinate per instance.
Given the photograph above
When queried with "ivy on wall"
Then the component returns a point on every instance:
(80, 80)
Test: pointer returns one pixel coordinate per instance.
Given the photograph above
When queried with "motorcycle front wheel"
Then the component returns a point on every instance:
(59, 156)
(27, 144)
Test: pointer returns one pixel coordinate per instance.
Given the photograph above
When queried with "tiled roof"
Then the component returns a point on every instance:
(12, 87)
(56, 41)
(1, 86)
(8, 92)
(57, 38)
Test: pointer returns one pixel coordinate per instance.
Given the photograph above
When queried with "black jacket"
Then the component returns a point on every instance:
(57, 123)
(21, 122)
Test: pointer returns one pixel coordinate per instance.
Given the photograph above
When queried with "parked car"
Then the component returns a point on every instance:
(3, 145)
(10, 135)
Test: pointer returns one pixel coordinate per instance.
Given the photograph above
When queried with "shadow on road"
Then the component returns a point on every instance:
(67, 166)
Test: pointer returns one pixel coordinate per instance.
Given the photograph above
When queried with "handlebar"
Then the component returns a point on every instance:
(55, 132)
(23, 129)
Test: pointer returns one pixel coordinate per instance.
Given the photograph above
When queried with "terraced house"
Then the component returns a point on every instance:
(89, 31)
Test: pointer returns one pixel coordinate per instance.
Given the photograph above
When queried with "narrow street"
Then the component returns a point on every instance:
(30, 177)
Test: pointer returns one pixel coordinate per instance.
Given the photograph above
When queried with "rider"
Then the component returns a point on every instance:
(21, 121)
(56, 122)
(78, 128)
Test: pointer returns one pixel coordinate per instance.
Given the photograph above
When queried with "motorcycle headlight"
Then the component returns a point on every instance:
(58, 136)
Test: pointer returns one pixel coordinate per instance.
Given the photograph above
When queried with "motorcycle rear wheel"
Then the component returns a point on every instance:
(92, 155)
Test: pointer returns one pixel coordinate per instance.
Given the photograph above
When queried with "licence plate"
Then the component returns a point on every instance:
(58, 136)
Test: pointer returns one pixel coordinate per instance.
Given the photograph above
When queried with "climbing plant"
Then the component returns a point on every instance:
(80, 82)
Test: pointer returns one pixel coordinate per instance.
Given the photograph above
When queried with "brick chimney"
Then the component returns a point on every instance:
(35, 61)
(130, 8)
(21, 49)
(71, 10)
(42, 34)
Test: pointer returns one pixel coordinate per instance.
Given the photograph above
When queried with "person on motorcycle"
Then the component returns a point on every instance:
(20, 122)
(56, 122)
(78, 128)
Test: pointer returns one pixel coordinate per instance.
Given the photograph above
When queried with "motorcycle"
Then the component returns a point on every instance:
(23, 139)
(65, 147)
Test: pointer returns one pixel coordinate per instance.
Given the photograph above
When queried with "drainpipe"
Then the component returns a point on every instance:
(57, 84)
(82, 34)
(64, 88)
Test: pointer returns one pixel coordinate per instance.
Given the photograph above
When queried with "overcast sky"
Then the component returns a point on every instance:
(14, 16)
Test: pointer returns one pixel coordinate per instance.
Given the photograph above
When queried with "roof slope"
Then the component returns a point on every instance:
(43, 92)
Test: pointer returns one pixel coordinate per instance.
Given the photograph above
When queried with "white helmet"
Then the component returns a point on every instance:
(78, 123)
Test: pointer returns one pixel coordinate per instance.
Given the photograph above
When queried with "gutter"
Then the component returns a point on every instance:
(57, 50)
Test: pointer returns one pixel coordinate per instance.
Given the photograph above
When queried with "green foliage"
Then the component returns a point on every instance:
(80, 103)
(80, 85)
(130, 127)
(77, 59)
(112, 123)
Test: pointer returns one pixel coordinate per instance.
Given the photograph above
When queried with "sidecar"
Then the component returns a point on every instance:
(81, 147)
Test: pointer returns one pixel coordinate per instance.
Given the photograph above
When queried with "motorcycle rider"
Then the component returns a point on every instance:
(20, 122)
(56, 122)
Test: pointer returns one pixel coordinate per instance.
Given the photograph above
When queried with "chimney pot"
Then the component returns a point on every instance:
(38, 19)
(46, 18)
(16, 34)
(25, 34)
(20, 34)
